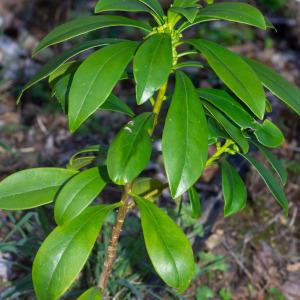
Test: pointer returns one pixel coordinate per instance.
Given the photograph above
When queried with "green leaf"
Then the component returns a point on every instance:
(234, 190)
(195, 203)
(168, 248)
(235, 12)
(270, 181)
(81, 162)
(185, 3)
(91, 294)
(279, 86)
(130, 151)
(186, 64)
(274, 162)
(234, 132)
(83, 25)
(235, 73)
(113, 103)
(185, 137)
(189, 13)
(77, 194)
(144, 185)
(32, 188)
(228, 105)
(120, 5)
(61, 81)
(60, 59)
(65, 251)
(155, 6)
(95, 79)
(152, 65)
(269, 134)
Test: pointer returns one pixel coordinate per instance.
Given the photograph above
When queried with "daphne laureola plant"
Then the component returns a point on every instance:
(232, 119)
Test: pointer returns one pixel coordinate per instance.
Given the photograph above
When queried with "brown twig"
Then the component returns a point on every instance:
(112, 248)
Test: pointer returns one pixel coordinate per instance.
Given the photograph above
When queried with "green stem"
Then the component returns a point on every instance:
(219, 152)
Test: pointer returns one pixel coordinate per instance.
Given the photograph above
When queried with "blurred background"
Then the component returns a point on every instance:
(252, 255)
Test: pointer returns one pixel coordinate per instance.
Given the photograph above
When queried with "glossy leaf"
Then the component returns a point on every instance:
(91, 294)
(189, 64)
(77, 194)
(95, 79)
(270, 181)
(65, 251)
(274, 162)
(168, 248)
(130, 151)
(234, 132)
(198, 20)
(113, 103)
(185, 137)
(195, 203)
(32, 188)
(152, 65)
(83, 25)
(269, 134)
(279, 86)
(81, 162)
(235, 73)
(234, 190)
(60, 59)
(228, 105)
(235, 12)
(120, 5)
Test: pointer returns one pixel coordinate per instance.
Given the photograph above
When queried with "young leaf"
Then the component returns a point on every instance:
(234, 132)
(274, 162)
(168, 248)
(121, 5)
(32, 188)
(77, 194)
(65, 251)
(60, 59)
(91, 294)
(130, 151)
(279, 86)
(195, 203)
(269, 134)
(235, 12)
(152, 65)
(83, 25)
(235, 73)
(270, 181)
(95, 79)
(228, 105)
(185, 137)
(113, 103)
(234, 190)
(197, 20)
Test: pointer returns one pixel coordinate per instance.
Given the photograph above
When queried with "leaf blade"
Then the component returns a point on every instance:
(167, 246)
(152, 65)
(130, 151)
(271, 183)
(77, 194)
(185, 136)
(32, 188)
(83, 25)
(106, 66)
(65, 251)
(234, 190)
(235, 73)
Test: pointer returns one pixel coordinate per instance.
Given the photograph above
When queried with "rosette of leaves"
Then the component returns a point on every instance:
(231, 118)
